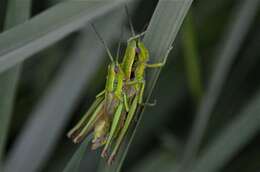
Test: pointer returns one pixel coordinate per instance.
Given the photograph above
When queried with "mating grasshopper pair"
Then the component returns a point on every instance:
(112, 112)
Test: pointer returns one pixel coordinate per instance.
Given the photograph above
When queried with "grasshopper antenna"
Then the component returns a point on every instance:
(119, 44)
(129, 20)
(103, 43)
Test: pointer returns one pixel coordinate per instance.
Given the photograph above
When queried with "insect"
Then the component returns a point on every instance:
(107, 104)
(112, 112)
(137, 84)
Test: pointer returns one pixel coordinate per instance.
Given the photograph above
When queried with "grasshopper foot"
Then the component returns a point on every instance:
(78, 139)
(104, 153)
(111, 159)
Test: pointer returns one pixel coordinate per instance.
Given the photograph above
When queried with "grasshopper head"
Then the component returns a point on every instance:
(132, 42)
(117, 68)
(111, 68)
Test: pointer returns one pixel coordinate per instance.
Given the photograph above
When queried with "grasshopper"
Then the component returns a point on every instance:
(101, 111)
(108, 103)
(137, 82)
(110, 115)
(126, 70)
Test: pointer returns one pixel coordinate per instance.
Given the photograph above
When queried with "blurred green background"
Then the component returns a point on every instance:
(207, 116)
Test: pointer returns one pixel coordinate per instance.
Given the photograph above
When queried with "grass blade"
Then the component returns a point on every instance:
(15, 15)
(191, 58)
(75, 161)
(244, 16)
(231, 139)
(249, 61)
(167, 19)
(19, 43)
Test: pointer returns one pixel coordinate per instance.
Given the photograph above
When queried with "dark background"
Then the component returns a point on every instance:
(164, 130)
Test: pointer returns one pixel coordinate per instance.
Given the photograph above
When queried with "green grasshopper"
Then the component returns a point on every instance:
(126, 67)
(99, 114)
(108, 103)
(137, 83)
(110, 115)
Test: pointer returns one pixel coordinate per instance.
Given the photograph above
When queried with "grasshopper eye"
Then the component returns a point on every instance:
(137, 50)
(116, 69)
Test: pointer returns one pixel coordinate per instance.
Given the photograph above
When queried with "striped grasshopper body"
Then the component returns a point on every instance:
(99, 116)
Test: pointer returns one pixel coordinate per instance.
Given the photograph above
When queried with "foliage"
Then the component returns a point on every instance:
(207, 112)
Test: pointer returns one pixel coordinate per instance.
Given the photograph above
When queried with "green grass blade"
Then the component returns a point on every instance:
(19, 43)
(167, 19)
(244, 66)
(232, 139)
(16, 13)
(74, 163)
(191, 59)
(239, 27)
(49, 117)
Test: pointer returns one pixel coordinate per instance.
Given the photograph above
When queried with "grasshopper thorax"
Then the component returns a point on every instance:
(142, 52)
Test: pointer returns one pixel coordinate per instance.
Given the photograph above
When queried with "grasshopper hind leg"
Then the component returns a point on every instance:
(75, 131)
(101, 94)
(123, 131)
(115, 124)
